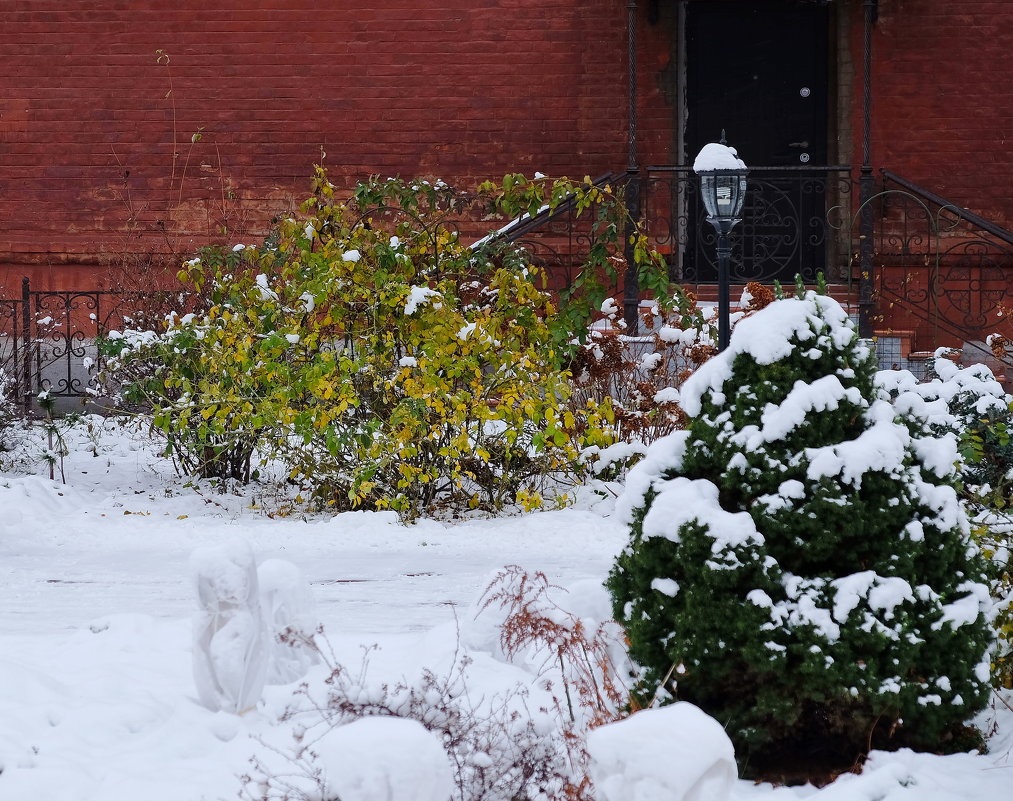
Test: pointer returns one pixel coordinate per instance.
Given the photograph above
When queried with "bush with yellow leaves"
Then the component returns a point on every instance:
(384, 362)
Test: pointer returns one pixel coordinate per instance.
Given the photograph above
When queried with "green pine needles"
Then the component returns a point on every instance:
(799, 563)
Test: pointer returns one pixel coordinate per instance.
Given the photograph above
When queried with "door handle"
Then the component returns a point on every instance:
(801, 145)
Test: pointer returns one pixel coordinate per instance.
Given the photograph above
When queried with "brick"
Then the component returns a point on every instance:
(402, 87)
(464, 88)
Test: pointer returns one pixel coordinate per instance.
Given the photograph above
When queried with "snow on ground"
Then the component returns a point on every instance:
(97, 696)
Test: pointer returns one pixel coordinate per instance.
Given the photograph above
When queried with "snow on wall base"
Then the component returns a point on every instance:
(675, 753)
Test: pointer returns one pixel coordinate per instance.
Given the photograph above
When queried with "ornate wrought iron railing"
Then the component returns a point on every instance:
(940, 269)
(49, 338)
(784, 229)
(558, 239)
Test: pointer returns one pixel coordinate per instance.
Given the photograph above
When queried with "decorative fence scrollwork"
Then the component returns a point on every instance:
(784, 230)
(49, 338)
(939, 267)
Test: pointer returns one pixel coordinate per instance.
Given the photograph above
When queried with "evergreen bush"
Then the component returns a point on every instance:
(799, 564)
(971, 403)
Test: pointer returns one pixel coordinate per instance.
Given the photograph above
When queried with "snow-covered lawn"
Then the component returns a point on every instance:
(97, 696)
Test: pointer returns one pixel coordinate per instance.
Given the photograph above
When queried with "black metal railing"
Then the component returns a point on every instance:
(49, 338)
(940, 268)
(784, 230)
(558, 239)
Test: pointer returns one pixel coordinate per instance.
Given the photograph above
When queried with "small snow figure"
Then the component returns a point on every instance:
(231, 647)
(676, 753)
(288, 611)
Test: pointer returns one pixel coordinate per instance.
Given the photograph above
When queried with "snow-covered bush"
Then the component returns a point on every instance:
(383, 361)
(972, 404)
(231, 645)
(799, 565)
(639, 376)
(498, 748)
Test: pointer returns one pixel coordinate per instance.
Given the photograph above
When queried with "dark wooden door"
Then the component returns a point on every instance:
(757, 70)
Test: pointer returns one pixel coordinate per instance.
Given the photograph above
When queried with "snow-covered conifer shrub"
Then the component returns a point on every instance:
(972, 404)
(799, 564)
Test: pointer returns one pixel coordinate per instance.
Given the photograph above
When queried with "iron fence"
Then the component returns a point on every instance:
(939, 267)
(786, 227)
(50, 339)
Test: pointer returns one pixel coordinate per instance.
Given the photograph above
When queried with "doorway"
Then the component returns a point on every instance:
(758, 72)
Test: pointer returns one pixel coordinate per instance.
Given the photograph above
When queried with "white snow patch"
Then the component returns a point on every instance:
(384, 759)
(665, 586)
(715, 156)
(419, 296)
(682, 500)
(676, 753)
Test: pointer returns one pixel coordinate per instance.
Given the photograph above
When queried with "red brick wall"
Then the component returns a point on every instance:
(462, 89)
(657, 68)
(943, 98)
(942, 117)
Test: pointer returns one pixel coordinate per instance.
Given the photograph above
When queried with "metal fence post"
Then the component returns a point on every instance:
(26, 347)
(631, 280)
(866, 278)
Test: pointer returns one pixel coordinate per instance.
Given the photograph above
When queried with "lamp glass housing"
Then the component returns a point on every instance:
(723, 192)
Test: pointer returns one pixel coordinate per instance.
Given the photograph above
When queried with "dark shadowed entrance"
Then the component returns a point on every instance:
(758, 70)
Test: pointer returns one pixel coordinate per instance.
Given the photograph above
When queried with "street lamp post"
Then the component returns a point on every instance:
(723, 188)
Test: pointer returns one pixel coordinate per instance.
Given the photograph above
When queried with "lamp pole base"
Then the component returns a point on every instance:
(723, 225)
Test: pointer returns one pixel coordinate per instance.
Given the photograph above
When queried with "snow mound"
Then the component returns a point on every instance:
(384, 759)
(716, 156)
(675, 753)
